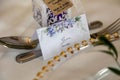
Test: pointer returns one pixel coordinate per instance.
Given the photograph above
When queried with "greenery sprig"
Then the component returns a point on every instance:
(112, 51)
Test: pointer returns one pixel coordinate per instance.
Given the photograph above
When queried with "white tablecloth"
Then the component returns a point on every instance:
(16, 19)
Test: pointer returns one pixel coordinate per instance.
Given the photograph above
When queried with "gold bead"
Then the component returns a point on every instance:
(40, 74)
(57, 58)
(77, 46)
(108, 36)
(63, 54)
(84, 43)
(45, 69)
(70, 50)
(28, 40)
(116, 35)
(92, 40)
(50, 63)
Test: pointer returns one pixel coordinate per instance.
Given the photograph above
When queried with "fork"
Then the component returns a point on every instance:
(112, 28)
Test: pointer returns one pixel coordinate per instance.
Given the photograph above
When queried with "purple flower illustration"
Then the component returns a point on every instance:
(60, 27)
(50, 31)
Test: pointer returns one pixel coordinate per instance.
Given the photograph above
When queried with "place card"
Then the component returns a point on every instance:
(59, 36)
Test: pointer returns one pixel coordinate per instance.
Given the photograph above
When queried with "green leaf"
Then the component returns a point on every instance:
(114, 70)
(107, 52)
(98, 43)
(77, 19)
(106, 42)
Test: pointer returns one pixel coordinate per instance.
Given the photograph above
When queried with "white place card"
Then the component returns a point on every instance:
(59, 36)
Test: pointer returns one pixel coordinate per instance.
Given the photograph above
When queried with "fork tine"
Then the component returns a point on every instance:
(110, 27)
(114, 25)
(114, 28)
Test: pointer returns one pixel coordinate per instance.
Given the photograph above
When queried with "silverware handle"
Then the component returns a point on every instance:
(95, 24)
(28, 56)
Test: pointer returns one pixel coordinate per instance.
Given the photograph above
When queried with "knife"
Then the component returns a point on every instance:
(28, 56)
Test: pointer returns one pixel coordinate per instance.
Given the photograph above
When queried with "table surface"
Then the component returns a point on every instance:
(16, 19)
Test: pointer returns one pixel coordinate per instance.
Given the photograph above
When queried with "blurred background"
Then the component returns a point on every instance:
(16, 19)
(16, 15)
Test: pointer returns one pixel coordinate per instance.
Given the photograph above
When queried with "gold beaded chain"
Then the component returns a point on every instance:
(77, 46)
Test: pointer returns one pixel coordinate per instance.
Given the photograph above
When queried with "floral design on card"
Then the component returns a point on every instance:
(61, 26)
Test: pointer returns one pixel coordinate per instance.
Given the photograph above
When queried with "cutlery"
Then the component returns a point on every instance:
(18, 42)
(22, 42)
(115, 26)
(25, 57)
(28, 56)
